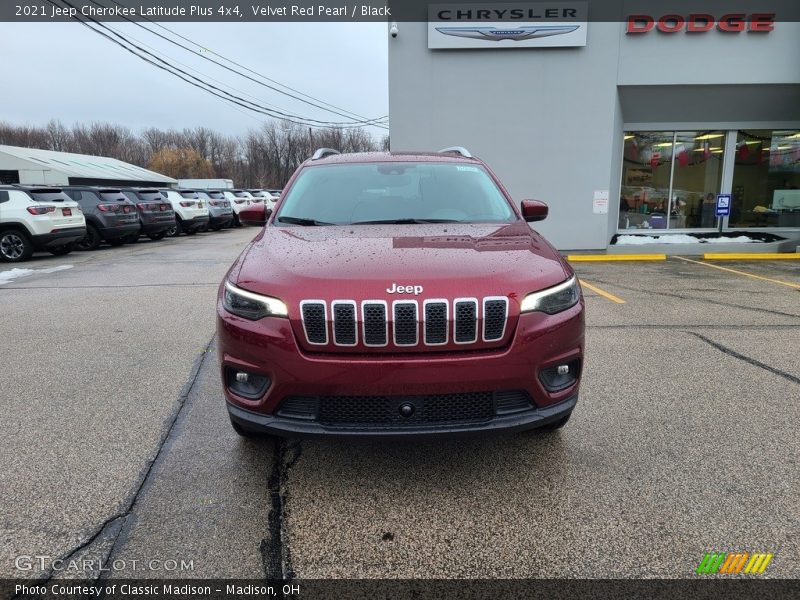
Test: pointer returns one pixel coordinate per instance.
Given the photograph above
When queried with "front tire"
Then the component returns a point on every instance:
(92, 239)
(15, 246)
(157, 236)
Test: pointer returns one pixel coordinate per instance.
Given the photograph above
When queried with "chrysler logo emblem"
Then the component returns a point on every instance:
(516, 34)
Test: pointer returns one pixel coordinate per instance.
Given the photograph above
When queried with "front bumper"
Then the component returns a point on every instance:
(60, 237)
(268, 347)
(521, 421)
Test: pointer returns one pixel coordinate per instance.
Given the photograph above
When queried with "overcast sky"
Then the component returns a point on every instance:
(66, 72)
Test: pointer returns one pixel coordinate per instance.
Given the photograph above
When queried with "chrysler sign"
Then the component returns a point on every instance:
(517, 25)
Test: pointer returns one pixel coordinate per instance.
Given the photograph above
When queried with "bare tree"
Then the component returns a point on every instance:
(264, 157)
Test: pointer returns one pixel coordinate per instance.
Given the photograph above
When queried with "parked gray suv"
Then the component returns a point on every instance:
(110, 216)
(220, 213)
(156, 216)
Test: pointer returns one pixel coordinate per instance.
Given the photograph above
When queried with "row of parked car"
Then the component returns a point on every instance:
(62, 219)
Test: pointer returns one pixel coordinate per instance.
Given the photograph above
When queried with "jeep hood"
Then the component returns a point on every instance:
(361, 262)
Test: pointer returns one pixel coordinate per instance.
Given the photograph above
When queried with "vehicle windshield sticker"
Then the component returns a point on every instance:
(467, 168)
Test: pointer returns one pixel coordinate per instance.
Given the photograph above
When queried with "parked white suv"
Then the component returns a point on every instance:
(237, 204)
(38, 218)
(191, 213)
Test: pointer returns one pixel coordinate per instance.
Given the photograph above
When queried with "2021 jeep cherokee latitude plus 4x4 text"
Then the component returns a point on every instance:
(398, 294)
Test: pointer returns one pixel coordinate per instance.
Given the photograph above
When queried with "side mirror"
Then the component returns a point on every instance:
(255, 214)
(534, 210)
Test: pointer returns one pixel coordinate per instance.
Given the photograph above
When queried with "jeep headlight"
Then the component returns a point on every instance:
(251, 306)
(555, 299)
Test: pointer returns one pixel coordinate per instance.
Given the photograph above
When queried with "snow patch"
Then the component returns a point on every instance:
(678, 238)
(6, 276)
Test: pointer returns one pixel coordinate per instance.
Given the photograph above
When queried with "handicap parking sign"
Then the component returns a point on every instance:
(723, 208)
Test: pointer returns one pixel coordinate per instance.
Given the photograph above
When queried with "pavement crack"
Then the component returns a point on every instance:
(117, 521)
(275, 554)
(746, 359)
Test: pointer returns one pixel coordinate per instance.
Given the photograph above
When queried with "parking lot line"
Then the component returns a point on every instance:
(614, 257)
(753, 256)
(745, 274)
(603, 293)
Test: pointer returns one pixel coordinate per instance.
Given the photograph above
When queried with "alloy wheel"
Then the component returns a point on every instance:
(12, 246)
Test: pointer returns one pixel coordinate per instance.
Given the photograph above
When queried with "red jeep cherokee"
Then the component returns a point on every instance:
(398, 294)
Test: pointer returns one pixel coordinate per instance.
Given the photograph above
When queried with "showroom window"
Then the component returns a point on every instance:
(766, 179)
(670, 179)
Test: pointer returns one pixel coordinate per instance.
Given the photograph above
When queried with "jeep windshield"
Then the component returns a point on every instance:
(394, 193)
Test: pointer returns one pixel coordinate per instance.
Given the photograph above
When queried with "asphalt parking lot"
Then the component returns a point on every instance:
(117, 445)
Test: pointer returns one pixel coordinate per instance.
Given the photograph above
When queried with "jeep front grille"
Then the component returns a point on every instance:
(315, 321)
(345, 332)
(495, 313)
(437, 322)
(466, 321)
(406, 323)
(376, 327)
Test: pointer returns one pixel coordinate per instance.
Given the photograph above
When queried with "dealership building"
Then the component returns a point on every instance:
(632, 126)
(32, 166)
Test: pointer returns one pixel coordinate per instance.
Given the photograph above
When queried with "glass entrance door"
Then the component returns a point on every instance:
(697, 177)
(670, 179)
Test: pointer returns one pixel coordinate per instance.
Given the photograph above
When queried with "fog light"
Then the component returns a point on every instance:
(557, 378)
(246, 384)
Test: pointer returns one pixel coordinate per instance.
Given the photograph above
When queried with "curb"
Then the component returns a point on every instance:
(614, 257)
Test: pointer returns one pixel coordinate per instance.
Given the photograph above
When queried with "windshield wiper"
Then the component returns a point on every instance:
(405, 221)
(301, 221)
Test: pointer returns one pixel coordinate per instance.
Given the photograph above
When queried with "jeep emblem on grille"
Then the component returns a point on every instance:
(404, 289)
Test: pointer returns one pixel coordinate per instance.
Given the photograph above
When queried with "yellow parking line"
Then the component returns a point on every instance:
(753, 256)
(778, 281)
(613, 257)
(603, 293)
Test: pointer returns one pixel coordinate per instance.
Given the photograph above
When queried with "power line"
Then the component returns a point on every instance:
(200, 83)
(227, 93)
(249, 115)
(204, 57)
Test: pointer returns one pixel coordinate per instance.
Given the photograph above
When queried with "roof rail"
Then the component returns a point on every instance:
(323, 152)
(457, 150)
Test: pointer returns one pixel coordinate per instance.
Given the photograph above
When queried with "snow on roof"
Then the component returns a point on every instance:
(83, 165)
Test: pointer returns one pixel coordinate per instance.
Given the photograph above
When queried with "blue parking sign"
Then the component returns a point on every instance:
(723, 208)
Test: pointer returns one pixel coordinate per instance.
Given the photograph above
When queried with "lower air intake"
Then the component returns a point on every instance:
(393, 411)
